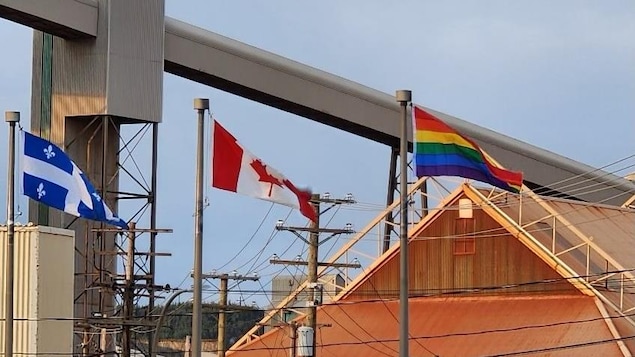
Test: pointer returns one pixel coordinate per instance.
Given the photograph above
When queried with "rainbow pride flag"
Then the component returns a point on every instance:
(441, 151)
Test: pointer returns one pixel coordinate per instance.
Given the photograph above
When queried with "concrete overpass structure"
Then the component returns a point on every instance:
(99, 64)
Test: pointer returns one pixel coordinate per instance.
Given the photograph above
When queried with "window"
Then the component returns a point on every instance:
(464, 246)
(464, 242)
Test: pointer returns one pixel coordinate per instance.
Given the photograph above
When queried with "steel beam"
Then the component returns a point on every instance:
(69, 19)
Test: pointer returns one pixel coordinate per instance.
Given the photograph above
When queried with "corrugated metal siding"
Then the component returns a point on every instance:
(23, 331)
(500, 264)
(283, 285)
(119, 73)
(40, 118)
(79, 88)
(43, 289)
(463, 326)
(135, 62)
(79, 76)
(36, 82)
(55, 277)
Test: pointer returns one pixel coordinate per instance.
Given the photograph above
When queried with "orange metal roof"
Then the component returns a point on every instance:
(455, 326)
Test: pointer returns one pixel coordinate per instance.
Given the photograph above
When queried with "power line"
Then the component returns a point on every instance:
(356, 337)
(566, 347)
(502, 234)
(590, 172)
(386, 340)
(257, 256)
(550, 186)
(262, 221)
(397, 320)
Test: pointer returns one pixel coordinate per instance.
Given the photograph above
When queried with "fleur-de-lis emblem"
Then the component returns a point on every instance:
(49, 152)
(96, 196)
(40, 191)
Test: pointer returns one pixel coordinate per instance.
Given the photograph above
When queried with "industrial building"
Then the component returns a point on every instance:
(491, 273)
(512, 266)
(43, 293)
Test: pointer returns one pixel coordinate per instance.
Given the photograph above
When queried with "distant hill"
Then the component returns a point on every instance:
(178, 322)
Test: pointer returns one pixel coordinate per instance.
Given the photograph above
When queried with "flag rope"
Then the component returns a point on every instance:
(208, 154)
(18, 172)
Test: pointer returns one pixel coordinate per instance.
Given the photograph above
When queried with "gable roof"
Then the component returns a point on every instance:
(391, 253)
(572, 249)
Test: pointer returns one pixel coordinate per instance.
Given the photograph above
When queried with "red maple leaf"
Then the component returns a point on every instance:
(263, 175)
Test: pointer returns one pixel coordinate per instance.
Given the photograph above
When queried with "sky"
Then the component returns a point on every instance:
(559, 75)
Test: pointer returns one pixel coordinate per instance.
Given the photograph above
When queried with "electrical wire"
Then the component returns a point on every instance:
(565, 347)
(439, 292)
(257, 256)
(331, 247)
(552, 186)
(359, 339)
(397, 320)
(253, 235)
(498, 228)
(387, 340)
(556, 184)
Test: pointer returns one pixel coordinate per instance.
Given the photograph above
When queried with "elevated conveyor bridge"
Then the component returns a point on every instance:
(223, 63)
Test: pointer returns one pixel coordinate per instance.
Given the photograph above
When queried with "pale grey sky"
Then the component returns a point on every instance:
(559, 75)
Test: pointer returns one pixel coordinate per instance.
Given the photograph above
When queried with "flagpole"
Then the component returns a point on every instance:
(200, 105)
(12, 118)
(403, 97)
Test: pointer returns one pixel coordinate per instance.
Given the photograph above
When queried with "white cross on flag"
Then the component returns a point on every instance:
(50, 177)
(235, 169)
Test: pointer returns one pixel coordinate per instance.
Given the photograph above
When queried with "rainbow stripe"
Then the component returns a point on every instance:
(441, 151)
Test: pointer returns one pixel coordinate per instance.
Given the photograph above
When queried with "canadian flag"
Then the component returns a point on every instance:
(237, 170)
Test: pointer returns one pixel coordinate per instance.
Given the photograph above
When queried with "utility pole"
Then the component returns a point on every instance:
(200, 105)
(312, 259)
(294, 337)
(403, 97)
(128, 294)
(12, 118)
(314, 230)
(131, 283)
(222, 302)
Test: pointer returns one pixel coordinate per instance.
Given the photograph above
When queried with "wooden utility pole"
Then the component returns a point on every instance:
(314, 299)
(222, 302)
(312, 259)
(128, 295)
(294, 337)
(293, 334)
(220, 340)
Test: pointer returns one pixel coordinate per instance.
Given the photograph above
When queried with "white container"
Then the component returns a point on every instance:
(304, 344)
(43, 291)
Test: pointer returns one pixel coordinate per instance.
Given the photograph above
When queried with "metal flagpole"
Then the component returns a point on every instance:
(12, 118)
(403, 97)
(200, 105)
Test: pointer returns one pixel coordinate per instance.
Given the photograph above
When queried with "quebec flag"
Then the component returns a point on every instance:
(49, 176)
